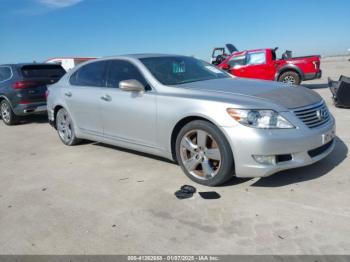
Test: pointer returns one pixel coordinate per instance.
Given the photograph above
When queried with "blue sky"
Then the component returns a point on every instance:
(40, 29)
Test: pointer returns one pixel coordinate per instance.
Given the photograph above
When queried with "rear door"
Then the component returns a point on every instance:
(34, 81)
(83, 97)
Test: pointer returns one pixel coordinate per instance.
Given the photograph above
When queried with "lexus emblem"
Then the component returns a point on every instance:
(321, 114)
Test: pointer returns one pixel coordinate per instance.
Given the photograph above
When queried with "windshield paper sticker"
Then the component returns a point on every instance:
(179, 67)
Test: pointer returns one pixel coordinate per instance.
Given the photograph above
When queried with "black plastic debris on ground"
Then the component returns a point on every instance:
(185, 191)
(209, 195)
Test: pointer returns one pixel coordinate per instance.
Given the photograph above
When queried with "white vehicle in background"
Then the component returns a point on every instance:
(69, 62)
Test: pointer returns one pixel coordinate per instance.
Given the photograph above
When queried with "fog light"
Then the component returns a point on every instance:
(265, 160)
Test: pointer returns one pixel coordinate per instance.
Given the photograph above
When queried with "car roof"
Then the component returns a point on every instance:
(71, 57)
(145, 55)
(27, 64)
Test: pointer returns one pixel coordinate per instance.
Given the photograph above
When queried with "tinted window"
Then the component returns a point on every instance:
(120, 70)
(181, 69)
(93, 74)
(257, 58)
(237, 61)
(5, 73)
(42, 71)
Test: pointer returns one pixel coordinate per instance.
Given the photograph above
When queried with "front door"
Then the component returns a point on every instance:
(128, 116)
(257, 66)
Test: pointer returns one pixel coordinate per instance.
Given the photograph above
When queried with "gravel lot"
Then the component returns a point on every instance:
(98, 199)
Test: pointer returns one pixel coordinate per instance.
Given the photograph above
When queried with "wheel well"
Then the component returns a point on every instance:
(2, 98)
(55, 114)
(287, 70)
(177, 129)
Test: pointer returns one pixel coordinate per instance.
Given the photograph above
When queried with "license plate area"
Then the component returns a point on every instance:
(327, 137)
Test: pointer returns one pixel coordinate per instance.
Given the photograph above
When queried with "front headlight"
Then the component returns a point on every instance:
(259, 118)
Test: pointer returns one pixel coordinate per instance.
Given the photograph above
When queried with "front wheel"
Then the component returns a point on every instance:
(65, 128)
(204, 153)
(290, 78)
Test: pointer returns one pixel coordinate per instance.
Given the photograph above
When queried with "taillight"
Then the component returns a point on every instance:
(25, 84)
(316, 64)
(47, 92)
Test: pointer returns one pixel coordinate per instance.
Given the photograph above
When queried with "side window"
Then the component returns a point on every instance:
(120, 70)
(237, 61)
(5, 73)
(257, 58)
(93, 74)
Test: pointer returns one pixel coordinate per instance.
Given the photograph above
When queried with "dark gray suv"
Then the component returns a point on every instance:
(23, 89)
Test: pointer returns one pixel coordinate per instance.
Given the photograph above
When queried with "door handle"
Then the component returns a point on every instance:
(68, 94)
(106, 98)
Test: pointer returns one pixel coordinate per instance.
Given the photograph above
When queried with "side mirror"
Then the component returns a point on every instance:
(131, 86)
(226, 67)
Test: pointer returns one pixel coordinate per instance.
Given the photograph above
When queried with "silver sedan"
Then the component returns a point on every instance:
(214, 125)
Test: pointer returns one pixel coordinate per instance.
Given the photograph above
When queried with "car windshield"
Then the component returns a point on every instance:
(176, 70)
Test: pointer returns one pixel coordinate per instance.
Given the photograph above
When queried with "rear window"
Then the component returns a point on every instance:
(42, 71)
(5, 73)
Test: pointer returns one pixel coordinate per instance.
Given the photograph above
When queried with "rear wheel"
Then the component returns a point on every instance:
(7, 114)
(65, 128)
(204, 153)
(290, 77)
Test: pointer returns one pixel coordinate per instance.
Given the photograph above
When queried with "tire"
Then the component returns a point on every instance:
(65, 128)
(7, 114)
(290, 77)
(204, 154)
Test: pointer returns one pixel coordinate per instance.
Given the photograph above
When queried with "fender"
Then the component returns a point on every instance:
(4, 97)
(291, 67)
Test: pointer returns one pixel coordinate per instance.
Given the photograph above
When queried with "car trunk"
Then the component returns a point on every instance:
(35, 79)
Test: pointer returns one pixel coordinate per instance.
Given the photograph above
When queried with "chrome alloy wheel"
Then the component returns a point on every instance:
(200, 154)
(64, 126)
(289, 80)
(5, 112)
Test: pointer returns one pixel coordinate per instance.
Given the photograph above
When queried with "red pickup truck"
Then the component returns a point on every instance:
(263, 64)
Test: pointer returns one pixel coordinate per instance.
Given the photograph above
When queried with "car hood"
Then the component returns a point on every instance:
(286, 96)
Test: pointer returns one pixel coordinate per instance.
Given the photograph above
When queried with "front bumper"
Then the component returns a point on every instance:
(305, 146)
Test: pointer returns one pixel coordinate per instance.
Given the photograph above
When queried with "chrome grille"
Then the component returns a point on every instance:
(314, 115)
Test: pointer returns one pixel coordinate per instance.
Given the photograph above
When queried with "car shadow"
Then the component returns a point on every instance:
(37, 118)
(315, 86)
(130, 151)
(306, 173)
(231, 182)
(235, 181)
(279, 179)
